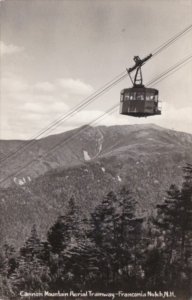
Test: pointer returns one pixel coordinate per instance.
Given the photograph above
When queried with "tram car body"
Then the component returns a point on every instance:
(139, 101)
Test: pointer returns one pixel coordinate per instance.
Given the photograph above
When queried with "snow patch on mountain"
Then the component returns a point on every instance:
(86, 155)
(22, 181)
(99, 143)
(119, 178)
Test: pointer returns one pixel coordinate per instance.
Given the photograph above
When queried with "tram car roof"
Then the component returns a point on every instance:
(140, 88)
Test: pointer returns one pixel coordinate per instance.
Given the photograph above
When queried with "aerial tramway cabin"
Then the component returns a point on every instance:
(139, 101)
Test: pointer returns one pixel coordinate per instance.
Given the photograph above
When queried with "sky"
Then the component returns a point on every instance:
(56, 53)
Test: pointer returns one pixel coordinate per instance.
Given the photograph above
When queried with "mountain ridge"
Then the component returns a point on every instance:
(145, 159)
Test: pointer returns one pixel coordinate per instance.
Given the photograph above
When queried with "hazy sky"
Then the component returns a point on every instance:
(55, 53)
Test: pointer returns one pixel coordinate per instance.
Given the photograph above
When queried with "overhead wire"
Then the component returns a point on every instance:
(73, 111)
(58, 144)
(178, 64)
(163, 75)
(171, 40)
(89, 99)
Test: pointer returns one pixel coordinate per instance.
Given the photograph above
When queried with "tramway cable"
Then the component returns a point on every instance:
(171, 40)
(139, 101)
(91, 98)
(74, 110)
(163, 75)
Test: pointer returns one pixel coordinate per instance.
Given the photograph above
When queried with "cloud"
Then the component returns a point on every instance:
(75, 86)
(93, 118)
(44, 86)
(13, 85)
(6, 49)
(42, 109)
(175, 118)
(30, 107)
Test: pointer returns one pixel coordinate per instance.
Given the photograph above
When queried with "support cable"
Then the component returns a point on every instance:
(159, 78)
(89, 99)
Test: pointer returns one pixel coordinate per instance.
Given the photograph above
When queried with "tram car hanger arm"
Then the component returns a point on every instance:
(139, 62)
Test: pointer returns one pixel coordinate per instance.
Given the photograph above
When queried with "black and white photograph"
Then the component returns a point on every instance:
(95, 149)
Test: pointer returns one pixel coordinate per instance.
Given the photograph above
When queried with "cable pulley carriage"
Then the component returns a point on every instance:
(139, 101)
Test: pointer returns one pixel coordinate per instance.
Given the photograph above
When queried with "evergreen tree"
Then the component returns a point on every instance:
(103, 235)
(116, 233)
(174, 225)
(186, 225)
(33, 245)
(66, 239)
(32, 273)
(129, 231)
(66, 230)
(31, 276)
(6, 258)
(9, 254)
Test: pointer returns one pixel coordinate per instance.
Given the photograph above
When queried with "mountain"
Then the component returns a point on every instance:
(87, 163)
